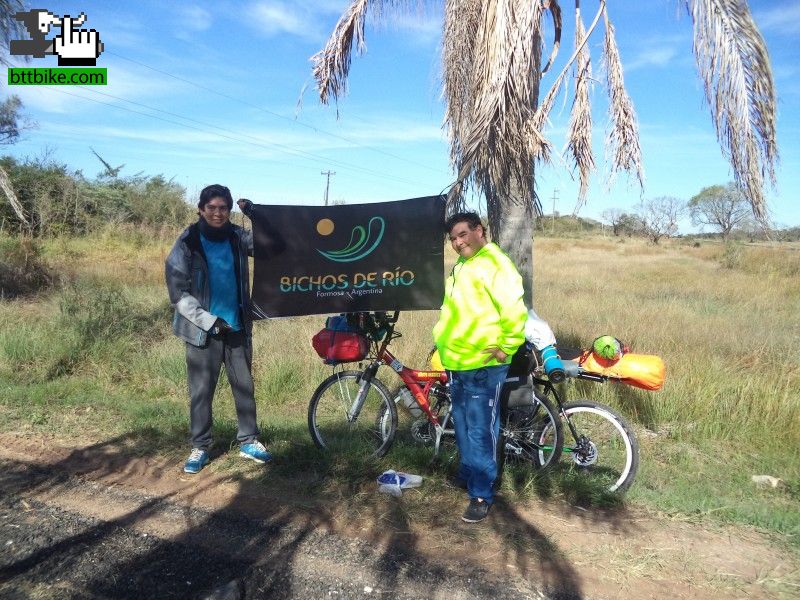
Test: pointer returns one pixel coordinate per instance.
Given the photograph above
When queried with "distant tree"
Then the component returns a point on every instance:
(10, 116)
(631, 224)
(659, 216)
(10, 28)
(12, 121)
(612, 216)
(720, 206)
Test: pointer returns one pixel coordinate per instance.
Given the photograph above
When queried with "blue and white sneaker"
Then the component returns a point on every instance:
(255, 451)
(196, 461)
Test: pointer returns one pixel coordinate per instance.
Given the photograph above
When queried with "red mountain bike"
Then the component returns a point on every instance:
(352, 411)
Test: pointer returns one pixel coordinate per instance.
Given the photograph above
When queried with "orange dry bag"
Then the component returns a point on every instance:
(645, 371)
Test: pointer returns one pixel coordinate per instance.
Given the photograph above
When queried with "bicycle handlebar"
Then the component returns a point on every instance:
(379, 317)
(573, 370)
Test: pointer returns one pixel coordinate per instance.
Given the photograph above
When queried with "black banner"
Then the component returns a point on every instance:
(328, 259)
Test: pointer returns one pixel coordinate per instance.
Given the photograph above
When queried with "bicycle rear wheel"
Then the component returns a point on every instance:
(532, 433)
(335, 429)
(606, 448)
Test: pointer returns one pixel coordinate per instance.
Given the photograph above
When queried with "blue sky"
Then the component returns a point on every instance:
(208, 92)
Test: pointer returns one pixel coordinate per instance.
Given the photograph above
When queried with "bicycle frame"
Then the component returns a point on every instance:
(419, 383)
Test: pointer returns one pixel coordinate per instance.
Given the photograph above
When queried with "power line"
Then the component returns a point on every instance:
(232, 136)
(272, 113)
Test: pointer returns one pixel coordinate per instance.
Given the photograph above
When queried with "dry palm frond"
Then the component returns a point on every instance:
(382, 8)
(733, 63)
(332, 63)
(462, 19)
(5, 185)
(622, 141)
(579, 136)
(540, 118)
(492, 149)
(555, 12)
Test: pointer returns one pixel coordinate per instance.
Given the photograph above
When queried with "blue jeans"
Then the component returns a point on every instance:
(476, 406)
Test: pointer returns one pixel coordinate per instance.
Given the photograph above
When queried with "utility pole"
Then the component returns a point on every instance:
(328, 184)
(555, 197)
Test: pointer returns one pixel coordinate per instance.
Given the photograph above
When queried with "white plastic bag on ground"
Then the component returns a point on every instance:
(394, 482)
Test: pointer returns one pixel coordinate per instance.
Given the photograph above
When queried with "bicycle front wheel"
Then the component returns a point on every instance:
(348, 415)
(606, 447)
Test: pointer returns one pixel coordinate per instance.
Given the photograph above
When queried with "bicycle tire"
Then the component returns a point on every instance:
(372, 432)
(531, 434)
(612, 453)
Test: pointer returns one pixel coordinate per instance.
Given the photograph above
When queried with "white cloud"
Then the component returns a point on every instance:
(41, 99)
(656, 57)
(784, 19)
(194, 18)
(265, 142)
(314, 21)
(395, 130)
(128, 33)
(139, 83)
(129, 84)
(274, 18)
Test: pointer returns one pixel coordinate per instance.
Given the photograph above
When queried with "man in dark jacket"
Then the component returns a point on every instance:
(208, 283)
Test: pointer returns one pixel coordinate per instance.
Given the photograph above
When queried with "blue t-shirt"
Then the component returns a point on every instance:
(222, 276)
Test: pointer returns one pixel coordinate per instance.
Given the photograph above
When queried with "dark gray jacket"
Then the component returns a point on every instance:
(186, 272)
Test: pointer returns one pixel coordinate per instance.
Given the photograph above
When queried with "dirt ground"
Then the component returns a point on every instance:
(100, 521)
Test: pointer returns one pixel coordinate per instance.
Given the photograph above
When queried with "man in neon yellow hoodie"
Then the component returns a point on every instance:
(479, 330)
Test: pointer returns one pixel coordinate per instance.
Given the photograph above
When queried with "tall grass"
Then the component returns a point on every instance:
(728, 336)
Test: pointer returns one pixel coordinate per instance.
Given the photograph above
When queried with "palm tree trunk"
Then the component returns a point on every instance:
(513, 232)
(512, 225)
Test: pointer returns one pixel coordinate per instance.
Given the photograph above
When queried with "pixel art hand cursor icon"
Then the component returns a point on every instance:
(77, 47)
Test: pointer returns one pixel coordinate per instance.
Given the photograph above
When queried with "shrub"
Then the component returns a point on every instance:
(22, 270)
(60, 201)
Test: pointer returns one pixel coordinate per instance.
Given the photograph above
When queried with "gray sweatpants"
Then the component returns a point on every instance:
(203, 366)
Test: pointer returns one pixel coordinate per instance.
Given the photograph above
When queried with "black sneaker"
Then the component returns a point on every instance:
(456, 482)
(476, 511)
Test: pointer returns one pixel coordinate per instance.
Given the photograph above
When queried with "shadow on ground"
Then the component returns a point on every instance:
(274, 536)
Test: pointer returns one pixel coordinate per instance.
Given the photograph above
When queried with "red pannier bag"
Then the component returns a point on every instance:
(340, 346)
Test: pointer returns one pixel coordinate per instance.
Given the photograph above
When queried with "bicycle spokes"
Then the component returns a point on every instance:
(350, 414)
(605, 449)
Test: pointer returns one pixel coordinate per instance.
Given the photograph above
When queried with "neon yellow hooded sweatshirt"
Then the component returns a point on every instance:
(483, 306)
